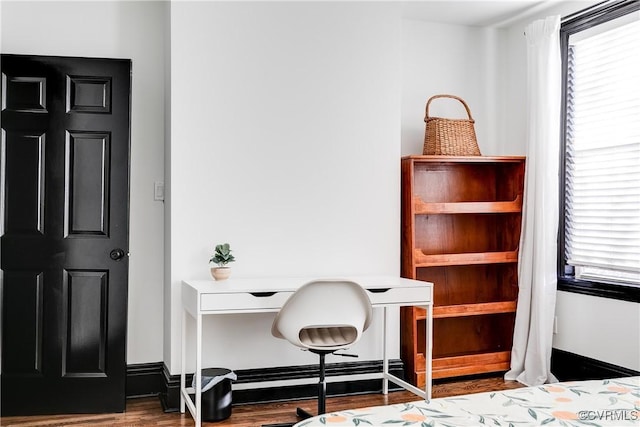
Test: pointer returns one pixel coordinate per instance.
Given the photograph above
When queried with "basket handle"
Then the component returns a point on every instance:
(466, 107)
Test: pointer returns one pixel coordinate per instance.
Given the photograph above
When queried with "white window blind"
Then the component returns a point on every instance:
(602, 194)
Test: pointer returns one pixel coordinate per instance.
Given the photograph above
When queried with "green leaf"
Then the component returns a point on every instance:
(547, 421)
(533, 413)
(422, 410)
(517, 398)
(622, 383)
(222, 255)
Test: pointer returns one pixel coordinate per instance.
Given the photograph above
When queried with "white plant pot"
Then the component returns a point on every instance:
(220, 273)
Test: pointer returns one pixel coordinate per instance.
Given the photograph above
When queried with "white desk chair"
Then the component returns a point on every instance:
(324, 316)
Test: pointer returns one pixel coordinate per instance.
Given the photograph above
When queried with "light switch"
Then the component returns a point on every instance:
(158, 190)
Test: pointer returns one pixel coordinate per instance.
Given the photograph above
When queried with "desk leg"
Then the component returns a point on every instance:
(428, 351)
(385, 355)
(198, 373)
(183, 361)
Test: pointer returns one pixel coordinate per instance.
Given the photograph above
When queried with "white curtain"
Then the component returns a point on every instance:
(531, 352)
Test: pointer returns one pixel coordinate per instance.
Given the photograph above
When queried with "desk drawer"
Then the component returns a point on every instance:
(243, 301)
(406, 296)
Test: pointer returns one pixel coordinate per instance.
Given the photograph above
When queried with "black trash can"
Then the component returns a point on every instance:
(216, 402)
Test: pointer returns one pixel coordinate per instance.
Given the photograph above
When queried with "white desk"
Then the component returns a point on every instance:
(262, 295)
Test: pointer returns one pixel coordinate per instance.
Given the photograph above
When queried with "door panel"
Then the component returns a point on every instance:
(88, 94)
(24, 94)
(86, 317)
(87, 185)
(64, 187)
(24, 195)
(23, 303)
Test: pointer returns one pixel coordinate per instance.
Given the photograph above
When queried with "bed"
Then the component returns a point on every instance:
(612, 402)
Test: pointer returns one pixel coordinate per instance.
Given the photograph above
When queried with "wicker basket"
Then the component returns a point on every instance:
(450, 137)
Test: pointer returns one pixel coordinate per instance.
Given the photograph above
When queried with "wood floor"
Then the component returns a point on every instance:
(147, 411)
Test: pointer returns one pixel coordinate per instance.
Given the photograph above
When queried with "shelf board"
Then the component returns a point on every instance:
(421, 207)
(436, 260)
(463, 360)
(475, 309)
(465, 364)
(478, 309)
(419, 158)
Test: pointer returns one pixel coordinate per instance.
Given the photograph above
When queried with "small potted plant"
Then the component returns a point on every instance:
(222, 256)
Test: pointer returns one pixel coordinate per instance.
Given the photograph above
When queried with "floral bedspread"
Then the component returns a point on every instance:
(613, 402)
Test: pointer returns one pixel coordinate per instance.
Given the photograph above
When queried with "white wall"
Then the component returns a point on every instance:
(116, 29)
(454, 60)
(281, 113)
(603, 329)
(599, 328)
(285, 142)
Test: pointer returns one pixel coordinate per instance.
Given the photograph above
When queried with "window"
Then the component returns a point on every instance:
(599, 250)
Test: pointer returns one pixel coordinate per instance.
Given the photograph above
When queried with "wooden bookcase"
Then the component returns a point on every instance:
(461, 219)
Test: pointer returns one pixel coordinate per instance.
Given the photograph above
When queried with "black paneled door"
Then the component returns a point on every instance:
(64, 206)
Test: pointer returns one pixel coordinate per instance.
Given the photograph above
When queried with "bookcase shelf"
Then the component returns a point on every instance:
(474, 309)
(461, 310)
(423, 208)
(461, 219)
(422, 260)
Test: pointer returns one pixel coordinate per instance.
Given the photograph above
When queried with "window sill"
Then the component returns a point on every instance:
(597, 289)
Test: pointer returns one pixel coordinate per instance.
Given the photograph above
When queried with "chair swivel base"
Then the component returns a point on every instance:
(302, 414)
